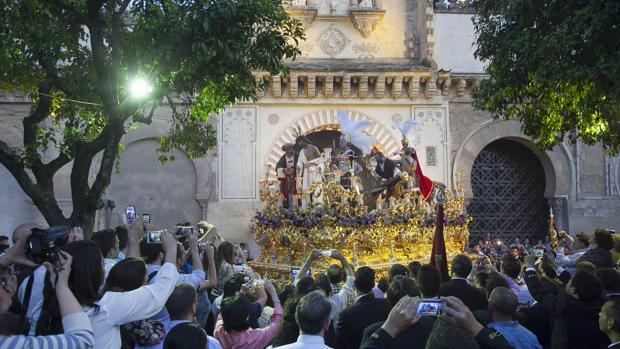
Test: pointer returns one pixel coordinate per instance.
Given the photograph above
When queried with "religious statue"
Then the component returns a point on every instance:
(345, 163)
(391, 175)
(409, 165)
(310, 167)
(286, 169)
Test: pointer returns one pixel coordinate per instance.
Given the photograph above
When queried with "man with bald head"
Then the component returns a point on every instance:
(502, 305)
(22, 230)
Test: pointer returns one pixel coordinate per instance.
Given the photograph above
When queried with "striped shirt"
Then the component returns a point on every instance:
(78, 334)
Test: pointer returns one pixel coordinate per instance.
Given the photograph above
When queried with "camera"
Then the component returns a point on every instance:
(295, 272)
(42, 245)
(154, 237)
(538, 252)
(430, 307)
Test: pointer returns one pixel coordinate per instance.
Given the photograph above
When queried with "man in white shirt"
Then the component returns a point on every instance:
(154, 256)
(580, 244)
(181, 306)
(312, 316)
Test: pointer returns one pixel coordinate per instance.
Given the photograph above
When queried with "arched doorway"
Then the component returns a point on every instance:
(508, 184)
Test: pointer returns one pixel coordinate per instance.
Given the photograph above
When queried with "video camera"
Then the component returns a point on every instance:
(42, 245)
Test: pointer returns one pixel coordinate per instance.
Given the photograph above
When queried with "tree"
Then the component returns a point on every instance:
(77, 57)
(554, 65)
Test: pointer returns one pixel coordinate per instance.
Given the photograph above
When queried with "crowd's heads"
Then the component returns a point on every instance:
(429, 281)
(305, 285)
(503, 302)
(8, 286)
(121, 233)
(585, 286)
(586, 266)
(511, 266)
(232, 284)
(399, 287)
(515, 252)
(181, 304)
(335, 274)
(397, 269)
(322, 282)
(235, 312)
(186, 335)
(108, 242)
(480, 280)
(494, 280)
(609, 318)
(86, 271)
(152, 253)
(383, 284)
(610, 279)
(126, 275)
(312, 313)
(447, 336)
(413, 267)
(582, 241)
(461, 266)
(364, 280)
(225, 252)
(4, 243)
(286, 292)
(603, 239)
(22, 230)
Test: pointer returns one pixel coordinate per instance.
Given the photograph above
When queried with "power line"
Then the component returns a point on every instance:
(55, 97)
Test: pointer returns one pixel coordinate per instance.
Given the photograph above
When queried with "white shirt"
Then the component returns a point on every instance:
(36, 297)
(343, 299)
(306, 341)
(117, 308)
(108, 264)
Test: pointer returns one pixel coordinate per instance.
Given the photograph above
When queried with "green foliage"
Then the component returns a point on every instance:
(554, 65)
(76, 57)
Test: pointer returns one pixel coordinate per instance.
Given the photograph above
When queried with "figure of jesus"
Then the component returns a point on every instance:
(311, 166)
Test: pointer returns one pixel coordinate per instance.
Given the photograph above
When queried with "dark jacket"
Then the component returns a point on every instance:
(353, 320)
(600, 257)
(413, 337)
(472, 297)
(574, 323)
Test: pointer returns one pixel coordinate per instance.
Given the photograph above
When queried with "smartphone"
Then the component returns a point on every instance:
(295, 271)
(153, 237)
(146, 218)
(130, 213)
(430, 307)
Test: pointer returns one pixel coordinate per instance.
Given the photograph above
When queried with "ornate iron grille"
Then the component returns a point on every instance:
(508, 183)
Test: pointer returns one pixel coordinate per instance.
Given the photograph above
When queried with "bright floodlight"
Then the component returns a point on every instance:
(139, 87)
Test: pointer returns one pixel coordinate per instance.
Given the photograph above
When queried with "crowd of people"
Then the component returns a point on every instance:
(190, 289)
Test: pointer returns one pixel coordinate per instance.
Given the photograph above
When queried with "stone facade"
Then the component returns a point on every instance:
(383, 61)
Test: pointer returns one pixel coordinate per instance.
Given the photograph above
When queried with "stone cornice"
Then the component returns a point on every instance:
(398, 85)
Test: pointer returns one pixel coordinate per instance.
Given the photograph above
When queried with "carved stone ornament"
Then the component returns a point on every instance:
(365, 19)
(305, 14)
(332, 41)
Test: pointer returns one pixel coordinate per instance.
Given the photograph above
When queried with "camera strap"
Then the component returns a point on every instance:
(27, 294)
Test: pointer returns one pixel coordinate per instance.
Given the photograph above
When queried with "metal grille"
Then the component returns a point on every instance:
(508, 183)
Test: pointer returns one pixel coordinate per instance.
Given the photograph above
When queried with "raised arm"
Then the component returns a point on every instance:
(314, 255)
(212, 280)
(134, 233)
(146, 301)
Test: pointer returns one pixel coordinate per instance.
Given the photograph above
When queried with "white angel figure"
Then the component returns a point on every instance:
(405, 128)
(353, 131)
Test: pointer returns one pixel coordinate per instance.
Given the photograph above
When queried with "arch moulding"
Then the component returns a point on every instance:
(327, 120)
(556, 163)
(203, 168)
